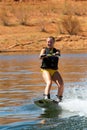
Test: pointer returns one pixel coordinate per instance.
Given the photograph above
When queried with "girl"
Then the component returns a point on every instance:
(50, 56)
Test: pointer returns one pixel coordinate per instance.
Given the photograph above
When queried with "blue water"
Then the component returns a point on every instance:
(21, 83)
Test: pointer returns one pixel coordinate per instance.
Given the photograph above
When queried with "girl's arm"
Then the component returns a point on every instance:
(42, 54)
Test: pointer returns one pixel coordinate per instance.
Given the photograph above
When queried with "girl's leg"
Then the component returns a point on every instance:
(48, 80)
(59, 81)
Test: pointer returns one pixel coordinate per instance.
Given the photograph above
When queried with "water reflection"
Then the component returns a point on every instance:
(73, 67)
(16, 74)
(51, 113)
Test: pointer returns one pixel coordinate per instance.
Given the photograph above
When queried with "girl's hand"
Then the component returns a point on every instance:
(43, 55)
(57, 53)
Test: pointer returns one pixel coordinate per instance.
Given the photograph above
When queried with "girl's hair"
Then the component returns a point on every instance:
(51, 37)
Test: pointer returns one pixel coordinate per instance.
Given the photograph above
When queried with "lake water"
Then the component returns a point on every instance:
(21, 83)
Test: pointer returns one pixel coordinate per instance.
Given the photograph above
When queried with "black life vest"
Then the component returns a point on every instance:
(50, 62)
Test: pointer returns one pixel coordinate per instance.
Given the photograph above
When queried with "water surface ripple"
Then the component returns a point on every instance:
(21, 83)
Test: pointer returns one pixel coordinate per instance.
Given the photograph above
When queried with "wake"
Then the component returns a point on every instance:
(75, 106)
(75, 102)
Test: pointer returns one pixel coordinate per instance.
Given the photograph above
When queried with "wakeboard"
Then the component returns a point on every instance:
(47, 103)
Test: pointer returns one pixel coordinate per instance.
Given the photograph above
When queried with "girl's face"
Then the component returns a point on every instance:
(50, 42)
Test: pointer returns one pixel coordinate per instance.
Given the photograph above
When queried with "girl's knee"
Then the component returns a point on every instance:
(61, 82)
(49, 83)
(61, 85)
